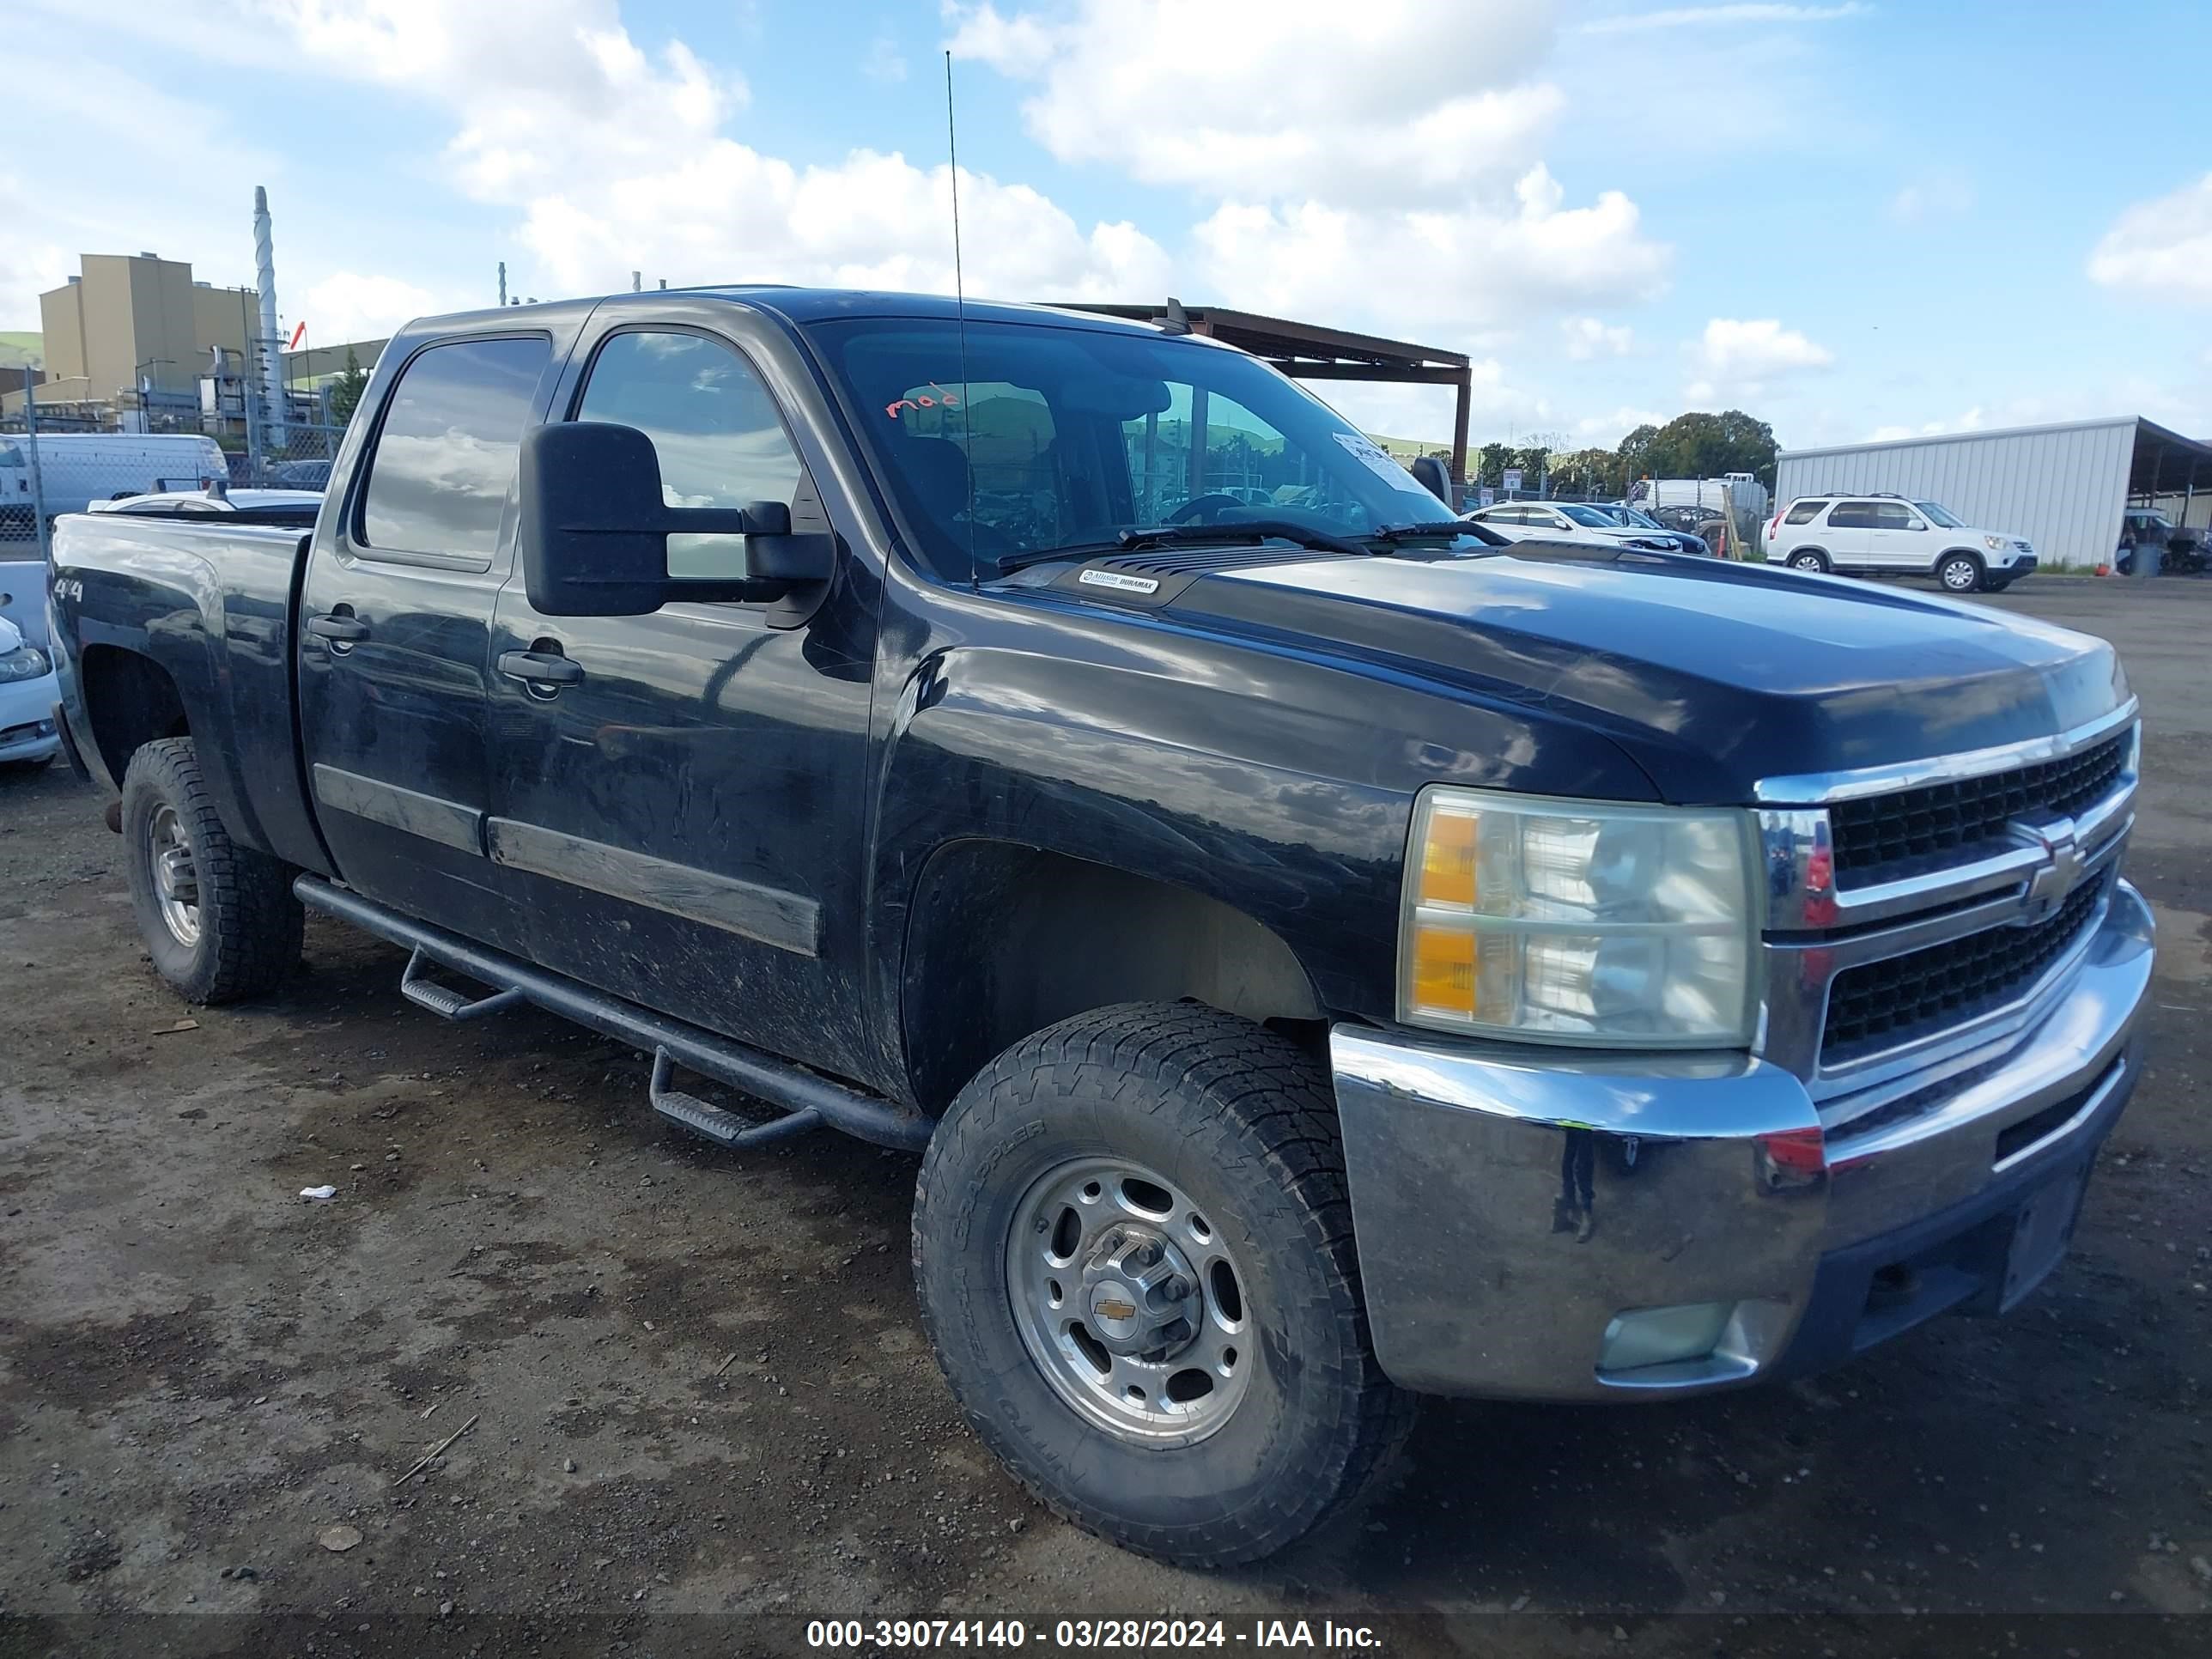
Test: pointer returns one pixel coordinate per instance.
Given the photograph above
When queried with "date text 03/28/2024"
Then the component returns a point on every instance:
(1085, 1633)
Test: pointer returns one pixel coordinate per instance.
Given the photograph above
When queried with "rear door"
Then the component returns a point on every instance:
(1843, 534)
(395, 632)
(679, 798)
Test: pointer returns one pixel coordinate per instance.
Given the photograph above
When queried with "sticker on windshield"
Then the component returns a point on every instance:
(1118, 583)
(1374, 458)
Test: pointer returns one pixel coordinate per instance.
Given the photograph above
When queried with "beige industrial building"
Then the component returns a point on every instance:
(131, 318)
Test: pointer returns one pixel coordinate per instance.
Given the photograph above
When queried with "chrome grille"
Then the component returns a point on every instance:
(1882, 834)
(1899, 999)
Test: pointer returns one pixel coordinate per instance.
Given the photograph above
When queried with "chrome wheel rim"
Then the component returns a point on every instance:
(176, 878)
(1129, 1301)
(1806, 561)
(1959, 576)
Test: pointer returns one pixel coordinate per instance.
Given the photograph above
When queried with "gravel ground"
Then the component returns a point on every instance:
(699, 1410)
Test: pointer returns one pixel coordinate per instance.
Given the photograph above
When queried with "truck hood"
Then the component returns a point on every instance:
(1712, 676)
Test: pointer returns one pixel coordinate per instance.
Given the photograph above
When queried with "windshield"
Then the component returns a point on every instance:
(1629, 515)
(1587, 515)
(1943, 519)
(1067, 436)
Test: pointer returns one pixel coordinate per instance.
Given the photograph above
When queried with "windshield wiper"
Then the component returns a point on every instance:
(1182, 535)
(1467, 527)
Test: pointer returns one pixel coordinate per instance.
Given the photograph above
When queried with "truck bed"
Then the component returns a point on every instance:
(211, 604)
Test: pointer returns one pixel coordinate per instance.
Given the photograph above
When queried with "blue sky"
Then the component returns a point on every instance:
(1850, 219)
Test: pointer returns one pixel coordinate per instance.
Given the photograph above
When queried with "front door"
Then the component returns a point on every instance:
(679, 798)
(1898, 538)
(395, 634)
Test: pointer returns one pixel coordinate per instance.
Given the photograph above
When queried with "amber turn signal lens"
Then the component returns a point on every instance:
(1444, 971)
(1447, 858)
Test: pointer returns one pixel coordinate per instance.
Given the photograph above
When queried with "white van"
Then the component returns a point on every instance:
(76, 469)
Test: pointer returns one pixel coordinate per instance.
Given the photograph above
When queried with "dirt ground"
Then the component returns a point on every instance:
(702, 1411)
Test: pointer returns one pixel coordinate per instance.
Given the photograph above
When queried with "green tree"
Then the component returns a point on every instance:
(346, 390)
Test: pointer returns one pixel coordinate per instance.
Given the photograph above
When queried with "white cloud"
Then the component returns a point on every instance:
(1938, 196)
(1734, 16)
(1389, 101)
(351, 306)
(2162, 247)
(1737, 358)
(1607, 430)
(884, 63)
(1452, 271)
(1587, 338)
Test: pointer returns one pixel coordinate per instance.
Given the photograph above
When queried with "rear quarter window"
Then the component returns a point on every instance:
(1804, 512)
(449, 447)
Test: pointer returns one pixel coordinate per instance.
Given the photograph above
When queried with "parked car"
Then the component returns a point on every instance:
(1625, 517)
(300, 475)
(268, 505)
(1884, 535)
(27, 694)
(1320, 958)
(1569, 521)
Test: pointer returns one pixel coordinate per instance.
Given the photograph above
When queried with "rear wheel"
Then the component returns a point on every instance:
(1960, 573)
(219, 920)
(1133, 1247)
(1810, 559)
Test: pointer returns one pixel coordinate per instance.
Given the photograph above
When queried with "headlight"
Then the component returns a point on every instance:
(24, 663)
(1577, 922)
(1995, 544)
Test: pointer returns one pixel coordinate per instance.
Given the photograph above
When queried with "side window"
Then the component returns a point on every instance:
(1889, 515)
(447, 453)
(1804, 512)
(1852, 515)
(713, 426)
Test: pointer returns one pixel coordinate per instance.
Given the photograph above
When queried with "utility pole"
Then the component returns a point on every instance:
(502, 285)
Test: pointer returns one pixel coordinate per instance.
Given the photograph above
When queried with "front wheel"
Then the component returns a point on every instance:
(1133, 1248)
(1960, 573)
(219, 920)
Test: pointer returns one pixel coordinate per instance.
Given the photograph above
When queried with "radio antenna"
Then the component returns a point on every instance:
(960, 313)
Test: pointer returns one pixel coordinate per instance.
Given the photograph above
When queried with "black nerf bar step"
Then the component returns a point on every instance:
(724, 1129)
(790, 1089)
(444, 1002)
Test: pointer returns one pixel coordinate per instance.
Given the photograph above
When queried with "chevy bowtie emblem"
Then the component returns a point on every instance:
(2059, 873)
(1112, 1309)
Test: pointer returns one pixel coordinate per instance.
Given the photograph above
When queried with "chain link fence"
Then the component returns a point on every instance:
(62, 460)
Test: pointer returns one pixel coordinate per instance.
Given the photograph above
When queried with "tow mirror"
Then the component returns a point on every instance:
(1430, 474)
(598, 539)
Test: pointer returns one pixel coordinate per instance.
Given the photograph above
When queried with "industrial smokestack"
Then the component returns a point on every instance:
(265, 279)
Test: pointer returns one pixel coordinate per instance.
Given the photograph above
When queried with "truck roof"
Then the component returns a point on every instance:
(798, 306)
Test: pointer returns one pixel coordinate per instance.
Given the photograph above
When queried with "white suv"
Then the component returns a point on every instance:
(1890, 536)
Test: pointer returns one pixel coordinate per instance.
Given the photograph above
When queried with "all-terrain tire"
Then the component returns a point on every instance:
(1241, 1121)
(249, 924)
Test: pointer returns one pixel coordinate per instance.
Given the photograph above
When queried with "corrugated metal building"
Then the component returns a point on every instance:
(2062, 487)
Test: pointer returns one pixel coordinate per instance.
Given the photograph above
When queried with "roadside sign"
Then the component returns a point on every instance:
(1512, 481)
(1489, 496)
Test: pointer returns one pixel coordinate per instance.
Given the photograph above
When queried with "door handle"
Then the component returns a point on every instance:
(338, 629)
(540, 668)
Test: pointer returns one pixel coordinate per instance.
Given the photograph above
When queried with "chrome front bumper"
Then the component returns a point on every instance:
(1509, 1203)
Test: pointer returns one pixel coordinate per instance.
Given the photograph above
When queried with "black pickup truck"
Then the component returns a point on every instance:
(1320, 958)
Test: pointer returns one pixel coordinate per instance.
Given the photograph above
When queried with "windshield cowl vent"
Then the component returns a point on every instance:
(1197, 561)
